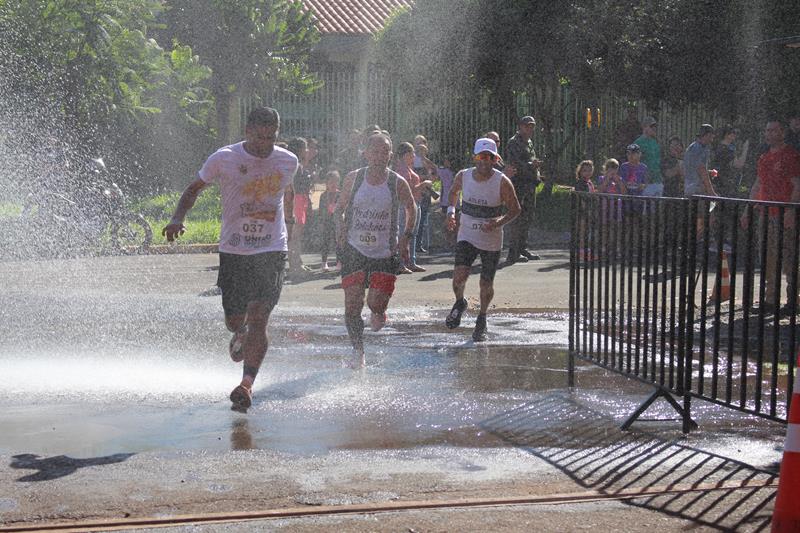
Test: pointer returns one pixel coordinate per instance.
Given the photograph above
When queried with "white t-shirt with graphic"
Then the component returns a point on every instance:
(252, 191)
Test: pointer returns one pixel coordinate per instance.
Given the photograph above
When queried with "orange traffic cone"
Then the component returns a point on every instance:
(786, 516)
(722, 292)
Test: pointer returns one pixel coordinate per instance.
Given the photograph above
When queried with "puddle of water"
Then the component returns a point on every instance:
(424, 386)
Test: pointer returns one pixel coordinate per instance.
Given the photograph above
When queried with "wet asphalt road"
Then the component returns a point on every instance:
(114, 378)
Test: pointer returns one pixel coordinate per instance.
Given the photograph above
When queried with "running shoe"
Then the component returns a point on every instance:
(479, 334)
(377, 321)
(241, 398)
(416, 268)
(326, 268)
(235, 348)
(453, 320)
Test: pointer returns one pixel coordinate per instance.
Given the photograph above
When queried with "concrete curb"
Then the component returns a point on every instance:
(161, 249)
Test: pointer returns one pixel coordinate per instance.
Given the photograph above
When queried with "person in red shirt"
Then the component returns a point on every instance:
(778, 180)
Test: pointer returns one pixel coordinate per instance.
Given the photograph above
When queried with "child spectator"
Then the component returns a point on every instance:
(633, 172)
(611, 183)
(583, 176)
(584, 183)
(327, 204)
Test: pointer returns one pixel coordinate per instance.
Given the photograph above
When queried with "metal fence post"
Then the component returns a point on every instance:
(690, 233)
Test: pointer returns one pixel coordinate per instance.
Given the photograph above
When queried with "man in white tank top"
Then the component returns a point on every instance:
(369, 247)
(488, 203)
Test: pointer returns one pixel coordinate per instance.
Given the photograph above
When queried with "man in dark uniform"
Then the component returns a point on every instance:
(524, 167)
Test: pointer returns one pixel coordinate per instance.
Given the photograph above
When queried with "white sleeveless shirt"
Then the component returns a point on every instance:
(482, 195)
(370, 230)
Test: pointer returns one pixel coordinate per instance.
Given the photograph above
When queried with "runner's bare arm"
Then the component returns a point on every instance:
(341, 205)
(509, 198)
(455, 190)
(175, 228)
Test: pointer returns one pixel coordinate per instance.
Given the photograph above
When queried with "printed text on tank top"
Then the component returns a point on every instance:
(371, 218)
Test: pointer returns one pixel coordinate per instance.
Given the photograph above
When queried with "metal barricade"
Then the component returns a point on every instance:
(640, 273)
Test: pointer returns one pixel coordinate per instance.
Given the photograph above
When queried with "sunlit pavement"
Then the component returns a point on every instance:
(114, 377)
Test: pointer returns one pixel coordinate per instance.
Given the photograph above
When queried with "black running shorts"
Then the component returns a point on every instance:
(466, 253)
(250, 278)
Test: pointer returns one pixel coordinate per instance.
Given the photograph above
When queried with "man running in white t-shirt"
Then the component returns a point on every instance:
(488, 203)
(367, 219)
(255, 182)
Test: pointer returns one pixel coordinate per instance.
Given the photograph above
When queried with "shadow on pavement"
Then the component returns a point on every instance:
(59, 466)
(588, 447)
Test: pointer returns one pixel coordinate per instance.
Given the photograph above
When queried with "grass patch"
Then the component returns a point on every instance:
(9, 209)
(207, 206)
(202, 222)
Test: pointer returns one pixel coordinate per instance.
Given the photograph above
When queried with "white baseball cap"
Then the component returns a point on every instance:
(485, 145)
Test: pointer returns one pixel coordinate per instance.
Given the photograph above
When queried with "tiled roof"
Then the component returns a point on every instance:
(353, 17)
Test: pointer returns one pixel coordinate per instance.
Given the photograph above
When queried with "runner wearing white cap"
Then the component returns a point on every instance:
(488, 203)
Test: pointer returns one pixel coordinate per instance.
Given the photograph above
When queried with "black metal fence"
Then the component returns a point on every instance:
(664, 290)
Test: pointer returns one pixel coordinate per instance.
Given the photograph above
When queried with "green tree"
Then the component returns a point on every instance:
(90, 73)
(248, 44)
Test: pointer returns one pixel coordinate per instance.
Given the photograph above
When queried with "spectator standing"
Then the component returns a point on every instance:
(584, 183)
(695, 164)
(611, 213)
(625, 133)
(303, 181)
(583, 176)
(651, 157)
(445, 176)
(777, 180)
(633, 172)
(327, 206)
(727, 163)
(793, 132)
(405, 160)
(426, 171)
(524, 166)
(672, 168)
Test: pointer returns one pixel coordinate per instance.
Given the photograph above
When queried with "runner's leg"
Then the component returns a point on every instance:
(353, 305)
(381, 288)
(460, 277)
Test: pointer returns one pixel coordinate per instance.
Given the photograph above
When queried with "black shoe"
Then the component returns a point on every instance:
(453, 320)
(422, 250)
(528, 255)
(518, 259)
(479, 334)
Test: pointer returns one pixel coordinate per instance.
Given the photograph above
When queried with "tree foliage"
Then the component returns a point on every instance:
(140, 80)
(678, 51)
(247, 43)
